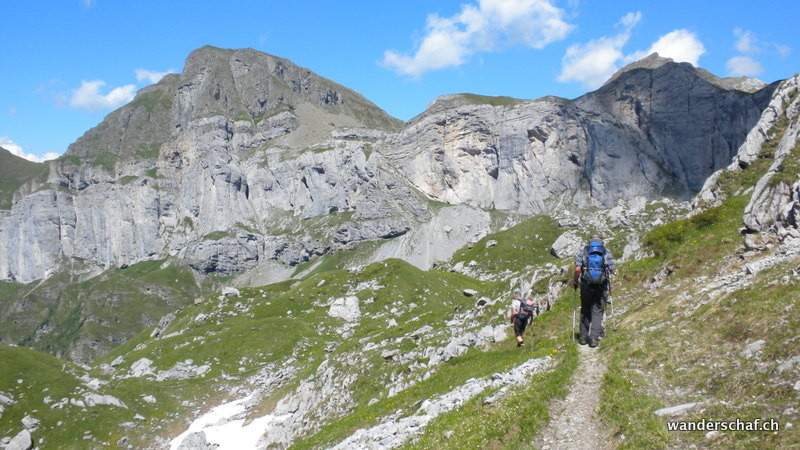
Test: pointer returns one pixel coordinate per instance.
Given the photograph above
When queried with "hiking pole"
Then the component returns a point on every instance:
(574, 303)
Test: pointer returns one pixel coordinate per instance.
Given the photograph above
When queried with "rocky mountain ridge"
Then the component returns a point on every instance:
(213, 166)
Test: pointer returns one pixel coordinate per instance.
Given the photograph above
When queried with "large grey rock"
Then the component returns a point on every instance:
(141, 367)
(6, 399)
(196, 441)
(346, 308)
(183, 370)
(22, 441)
(775, 205)
(30, 423)
(753, 348)
(567, 245)
(93, 399)
(676, 410)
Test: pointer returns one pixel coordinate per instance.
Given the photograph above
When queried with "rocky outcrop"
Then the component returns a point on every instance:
(775, 203)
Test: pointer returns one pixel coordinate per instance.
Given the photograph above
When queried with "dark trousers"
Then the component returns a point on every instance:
(520, 325)
(593, 300)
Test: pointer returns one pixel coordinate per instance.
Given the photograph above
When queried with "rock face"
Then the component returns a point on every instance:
(245, 158)
(649, 132)
(775, 203)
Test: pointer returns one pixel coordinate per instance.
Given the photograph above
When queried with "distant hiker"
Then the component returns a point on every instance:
(594, 266)
(522, 312)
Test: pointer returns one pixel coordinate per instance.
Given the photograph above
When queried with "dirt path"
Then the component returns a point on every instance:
(574, 422)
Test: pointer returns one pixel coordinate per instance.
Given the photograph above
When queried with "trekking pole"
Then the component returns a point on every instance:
(610, 301)
(574, 303)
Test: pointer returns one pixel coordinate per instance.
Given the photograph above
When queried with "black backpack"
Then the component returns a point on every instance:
(595, 272)
(525, 310)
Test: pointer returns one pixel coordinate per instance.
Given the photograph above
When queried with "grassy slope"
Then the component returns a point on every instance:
(272, 323)
(14, 172)
(676, 345)
(107, 309)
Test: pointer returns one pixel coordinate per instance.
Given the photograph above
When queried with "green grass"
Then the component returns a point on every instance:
(153, 99)
(628, 410)
(29, 377)
(106, 160)
(474, 99)
(128, 179)
(148, 152)
(217, 235)
(526, 244)
(789, 170)
(15, 172)
(514, 420)
(107, 309)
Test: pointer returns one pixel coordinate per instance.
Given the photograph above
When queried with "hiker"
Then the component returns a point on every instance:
(594, 266)
(522, 311)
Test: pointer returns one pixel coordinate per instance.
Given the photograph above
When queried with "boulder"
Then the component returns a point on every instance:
(196, 441)
(346, 308)
(566, 246)
(230, 292)
(676, 410)
(752, 349)
(22, 441)
(141, 368)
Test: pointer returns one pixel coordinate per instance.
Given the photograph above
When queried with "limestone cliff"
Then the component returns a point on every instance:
(245, 159)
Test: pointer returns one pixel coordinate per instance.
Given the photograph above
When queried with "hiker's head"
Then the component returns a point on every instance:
(596, 237)
(517, 293)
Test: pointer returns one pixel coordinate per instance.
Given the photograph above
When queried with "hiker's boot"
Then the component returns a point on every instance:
(520, 343)
(593, 343)
(583, 341)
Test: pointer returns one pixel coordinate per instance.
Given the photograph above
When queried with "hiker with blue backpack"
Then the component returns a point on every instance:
(594, 266)
(522, 312)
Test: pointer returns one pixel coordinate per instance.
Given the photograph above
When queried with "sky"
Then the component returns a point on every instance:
(66, 64)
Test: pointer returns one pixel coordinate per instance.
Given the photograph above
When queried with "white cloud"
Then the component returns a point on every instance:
(15, 149)
(746, 42)
(594, 62)
(88, 96)
(783, 50)
(151, 76)
(743, 66)
(487, 26)
(680, 45)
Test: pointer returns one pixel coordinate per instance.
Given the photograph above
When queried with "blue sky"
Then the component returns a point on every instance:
(68, 63)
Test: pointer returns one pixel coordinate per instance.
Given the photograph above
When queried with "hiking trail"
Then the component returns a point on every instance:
(575, 422)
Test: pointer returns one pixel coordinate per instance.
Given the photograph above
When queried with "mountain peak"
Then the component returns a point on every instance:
(651, 61)
(236, 84)
(654, 61)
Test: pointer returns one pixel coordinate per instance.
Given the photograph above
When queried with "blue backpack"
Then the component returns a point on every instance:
(594, 264)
